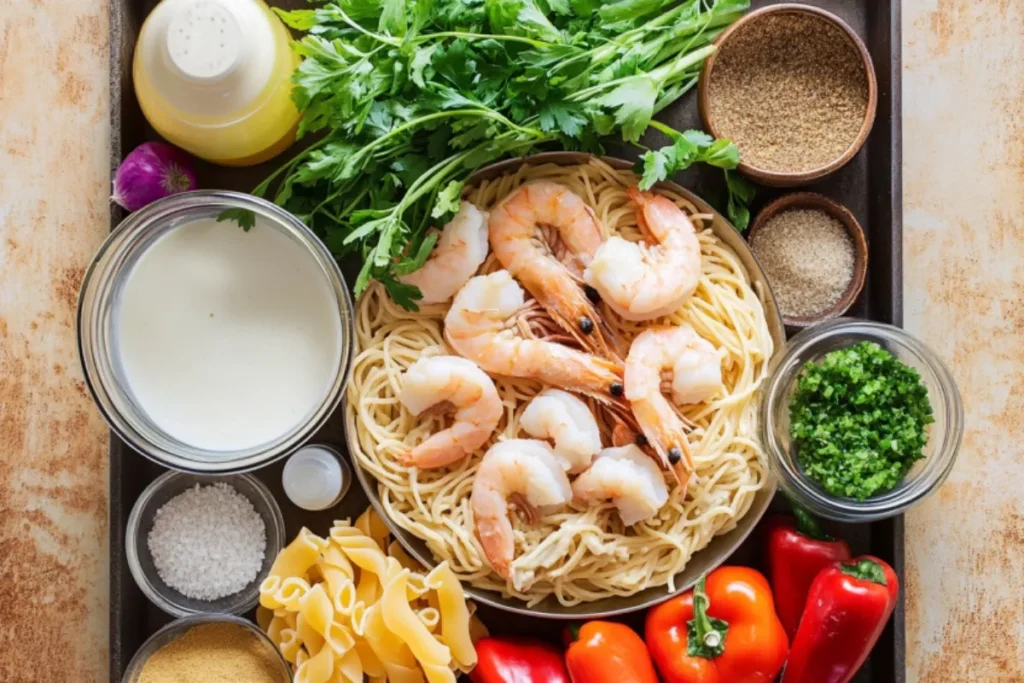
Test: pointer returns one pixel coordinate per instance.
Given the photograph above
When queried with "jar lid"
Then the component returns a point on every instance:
(316, 477)
(209, 58)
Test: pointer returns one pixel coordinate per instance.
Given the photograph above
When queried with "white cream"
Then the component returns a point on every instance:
(227, 339)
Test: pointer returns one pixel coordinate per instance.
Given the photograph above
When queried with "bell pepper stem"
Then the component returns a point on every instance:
(701, 603)
(865, 570)
(806, 523)
(705, 635)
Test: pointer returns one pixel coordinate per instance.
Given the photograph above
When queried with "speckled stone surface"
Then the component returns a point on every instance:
(54, 185)
(963, 179)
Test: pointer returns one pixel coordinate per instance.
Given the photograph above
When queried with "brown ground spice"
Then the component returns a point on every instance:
(790, 90)
(212, 653)
(809, 260)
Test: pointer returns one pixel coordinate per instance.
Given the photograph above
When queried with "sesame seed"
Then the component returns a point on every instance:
(808, 257)
(791, 91)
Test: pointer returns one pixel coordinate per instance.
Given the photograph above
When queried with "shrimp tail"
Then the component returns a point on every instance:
(641, 199)
(437, 451)
(498, 542)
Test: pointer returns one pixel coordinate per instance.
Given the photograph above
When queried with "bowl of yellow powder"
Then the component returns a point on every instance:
(208, 648)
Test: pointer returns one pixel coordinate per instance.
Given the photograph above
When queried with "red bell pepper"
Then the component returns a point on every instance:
(723, 631)
(848, 606)
(797, 550)
(606, 652)
(518, 660)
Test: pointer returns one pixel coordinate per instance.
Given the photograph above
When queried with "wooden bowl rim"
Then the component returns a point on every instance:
(813, 200)
(792, 178)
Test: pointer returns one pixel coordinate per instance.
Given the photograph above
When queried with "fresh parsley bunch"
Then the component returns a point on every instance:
(409, 97)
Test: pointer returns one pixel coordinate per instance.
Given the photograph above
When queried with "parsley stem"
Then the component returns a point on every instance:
(355, 25)
(440, 35)
(659, 76)
(261, 189)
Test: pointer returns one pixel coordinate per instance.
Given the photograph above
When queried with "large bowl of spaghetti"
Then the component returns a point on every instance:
(579, 561)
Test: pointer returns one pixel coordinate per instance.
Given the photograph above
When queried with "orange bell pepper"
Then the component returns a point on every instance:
(606, 652)
(723, 631)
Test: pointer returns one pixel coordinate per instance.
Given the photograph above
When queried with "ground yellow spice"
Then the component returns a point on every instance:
(213, 653)
(790, 90)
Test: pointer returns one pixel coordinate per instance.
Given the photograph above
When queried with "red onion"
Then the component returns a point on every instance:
(151, 171)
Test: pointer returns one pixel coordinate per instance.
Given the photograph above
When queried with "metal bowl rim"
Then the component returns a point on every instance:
(647, 597)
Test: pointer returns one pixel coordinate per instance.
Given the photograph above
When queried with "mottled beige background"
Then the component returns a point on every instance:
(53, 467)
(963, 170)
(963, 94)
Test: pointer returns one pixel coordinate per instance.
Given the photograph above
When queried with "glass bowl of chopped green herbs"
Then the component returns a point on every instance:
(860, 420)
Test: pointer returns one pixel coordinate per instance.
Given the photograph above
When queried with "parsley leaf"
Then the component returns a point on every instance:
(741, 193)
(245, 218)
(632, 105)
(409, 97)
(567, 118)
(448, 199)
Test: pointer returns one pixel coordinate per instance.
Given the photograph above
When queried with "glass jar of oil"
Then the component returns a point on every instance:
(214, 78)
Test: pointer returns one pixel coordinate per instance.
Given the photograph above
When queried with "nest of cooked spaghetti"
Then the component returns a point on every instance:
(630, 304)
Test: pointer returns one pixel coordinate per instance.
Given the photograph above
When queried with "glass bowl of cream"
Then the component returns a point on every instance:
(210, 347)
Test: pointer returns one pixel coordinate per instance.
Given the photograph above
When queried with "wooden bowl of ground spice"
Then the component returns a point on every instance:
(813, 253)
(794, 87)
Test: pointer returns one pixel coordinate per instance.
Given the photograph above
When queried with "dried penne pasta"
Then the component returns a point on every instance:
(354, 607)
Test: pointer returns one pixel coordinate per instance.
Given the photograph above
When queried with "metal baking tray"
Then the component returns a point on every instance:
(870, 186)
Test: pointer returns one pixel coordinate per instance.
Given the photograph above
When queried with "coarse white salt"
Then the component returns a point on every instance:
(208, 542)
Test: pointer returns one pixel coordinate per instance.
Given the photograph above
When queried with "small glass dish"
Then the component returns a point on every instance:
(944, 435)
(140, 560)
(177, 629)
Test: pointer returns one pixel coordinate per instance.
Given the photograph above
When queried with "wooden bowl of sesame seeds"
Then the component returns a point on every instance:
(795, 88)
(814, 273)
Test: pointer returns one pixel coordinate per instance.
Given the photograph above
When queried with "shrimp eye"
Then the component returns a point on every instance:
(674, 455)
(616, 389)
(641, 440)
(586, 324)
(592, 294)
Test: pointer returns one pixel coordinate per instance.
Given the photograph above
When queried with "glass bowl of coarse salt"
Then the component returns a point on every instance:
(203, 544)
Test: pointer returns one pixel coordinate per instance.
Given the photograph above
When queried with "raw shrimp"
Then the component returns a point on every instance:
(485, 324)
(629, 478)
(524, 469)
(518, 239)
(455, 258)
(430, 382)
(567, 421)
(649, 281)
(697, 375)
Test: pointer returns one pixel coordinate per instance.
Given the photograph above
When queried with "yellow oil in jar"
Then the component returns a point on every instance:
(213, 77)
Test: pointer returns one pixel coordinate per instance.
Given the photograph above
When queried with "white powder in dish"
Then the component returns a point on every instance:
(208, 542)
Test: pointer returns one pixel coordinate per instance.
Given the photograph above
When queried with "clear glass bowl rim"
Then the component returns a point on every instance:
(133, 536)
(183, 625)
(889, 504)
(101, 279)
